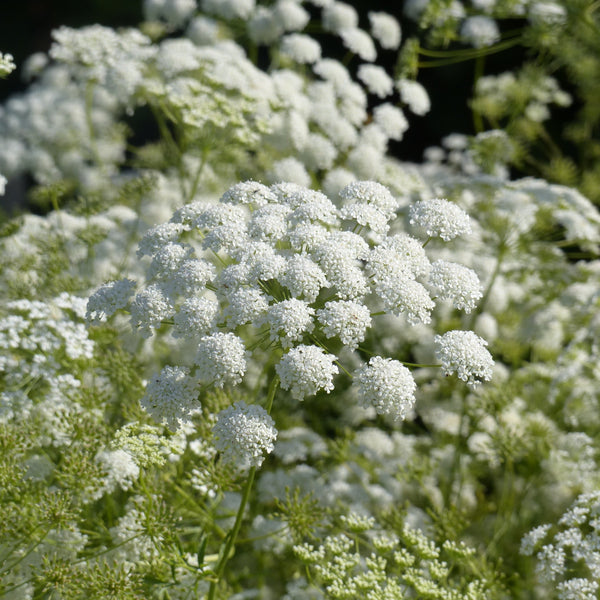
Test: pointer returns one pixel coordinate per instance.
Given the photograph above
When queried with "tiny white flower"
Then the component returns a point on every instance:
(414, 95)
(376, 79)
(464, 353)
(440, 218)
(385, 29)
(456, 282)
(289, 320)
(301, 48)
(387, 385)
(195, 317)
(107, 299)
(305, 370)
(359, 42)
(345, 319)
(171, 397)
(244, 434)
(221, 359)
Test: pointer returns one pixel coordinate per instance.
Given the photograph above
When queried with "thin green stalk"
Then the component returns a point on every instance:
(233, 534)
(231, 538)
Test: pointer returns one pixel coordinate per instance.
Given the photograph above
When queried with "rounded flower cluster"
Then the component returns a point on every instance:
(221, 359)
(305, 370)
(457, 283)
(440, 218)
(464, 353)
(171, 397)
(107, 299)
(284, 267)
(387, 385)
(244, 434)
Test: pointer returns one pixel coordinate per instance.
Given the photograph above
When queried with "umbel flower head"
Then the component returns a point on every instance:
(287, 270)
(244, 434)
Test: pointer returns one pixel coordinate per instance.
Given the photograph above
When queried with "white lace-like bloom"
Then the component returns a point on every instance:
(345, 319)
(342, 271)
(191, 276)
(547, 13)
(121, 470)
(196, 316)
(310, 206)
(290, 15)
(385, 29)
(303, 277)
(248, 192)
(480, 31)
(464, 353)
(262, 261)
(339, 15)
(167, 260)
(221, 359)
(577, 589)
(263, 27)
(440, 218)
(289, 169)
(229, 9)
(157, 237)
(410, 251)
(457, 283)
(305, 370)
(531, 540)
(370, 192)
(203, 31)
(376, 79)
(359, 42)
(7, 64)
(269, 222)
(244, 434)
(367, 216)
(334, 72)
(402, 294)
(149, 308)
(171, 397)
(289, 321)
(387, 385)
(318, 152)
(174, 12)
(414, 95)
(391, 120)
(301, 48)
(107, 299)
(246, 305)
(3, 182)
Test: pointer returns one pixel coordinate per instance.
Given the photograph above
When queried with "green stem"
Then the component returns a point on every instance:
(231, 538)
(196, 181)
(233, 534)
(488, 290)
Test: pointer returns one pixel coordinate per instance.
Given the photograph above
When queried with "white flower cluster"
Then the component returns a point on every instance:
(244, 434)
(575, 543)
(280, 262)
(464, 353)
(387, 385)
(7, 64)
(171, 397)
(440, 218)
